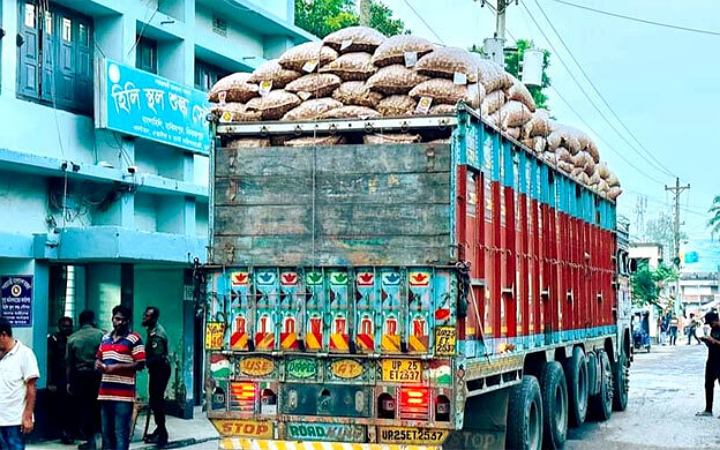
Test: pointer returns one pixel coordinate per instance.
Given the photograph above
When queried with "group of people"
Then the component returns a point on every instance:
(692, 326)
(93, 371)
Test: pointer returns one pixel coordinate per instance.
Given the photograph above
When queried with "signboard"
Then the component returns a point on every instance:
(700, 255)
(347, 368)
(325, 432)
(252, 428)
(141, 104)
(257, 366)
(214, 335)
(16, 300)
(401, 370)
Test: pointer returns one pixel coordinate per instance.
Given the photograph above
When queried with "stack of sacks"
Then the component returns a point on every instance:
(536, 131)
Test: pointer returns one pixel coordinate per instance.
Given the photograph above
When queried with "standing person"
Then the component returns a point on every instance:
(663, 323)
(83, 379)
(158, 365)
(692, 326)
(674, 323)
(57, 379)
(120, 356)
(19, 369)
(712, 365)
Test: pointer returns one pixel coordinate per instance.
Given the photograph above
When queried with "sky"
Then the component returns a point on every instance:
(662, 84)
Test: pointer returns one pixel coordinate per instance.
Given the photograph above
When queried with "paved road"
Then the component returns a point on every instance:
(666, 390)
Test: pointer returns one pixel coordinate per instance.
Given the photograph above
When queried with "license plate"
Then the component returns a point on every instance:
(401, 370)
(400, 435)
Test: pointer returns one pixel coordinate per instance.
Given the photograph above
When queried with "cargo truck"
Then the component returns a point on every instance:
(456, 293)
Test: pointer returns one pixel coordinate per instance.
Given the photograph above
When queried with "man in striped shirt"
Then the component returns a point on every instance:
(120, 356)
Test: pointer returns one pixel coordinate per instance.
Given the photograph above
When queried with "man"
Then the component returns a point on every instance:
(57, 378)
(83, 379)
(674, 323)
(158, 366)
(692, 326)
(120, 356)
(18, 390)
(712, 365)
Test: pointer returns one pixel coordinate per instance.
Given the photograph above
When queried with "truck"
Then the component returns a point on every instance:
(454, 293)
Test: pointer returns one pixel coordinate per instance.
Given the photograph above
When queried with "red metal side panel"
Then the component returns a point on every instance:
(499, 323)
(509, 266)
(538, 262)
(464, 244)
(522, 253)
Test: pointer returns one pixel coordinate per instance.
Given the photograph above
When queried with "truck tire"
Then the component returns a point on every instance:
(621, 375)
(601, 404)
(576, 375)
(555, 405)
(525, 416)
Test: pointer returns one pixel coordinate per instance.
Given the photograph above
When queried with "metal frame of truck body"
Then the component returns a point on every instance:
(501, 247)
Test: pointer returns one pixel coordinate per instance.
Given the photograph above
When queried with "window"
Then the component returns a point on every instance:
(55, 57)
(146, 55)
(206, 75)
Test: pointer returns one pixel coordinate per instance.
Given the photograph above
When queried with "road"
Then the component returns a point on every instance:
(666, 390)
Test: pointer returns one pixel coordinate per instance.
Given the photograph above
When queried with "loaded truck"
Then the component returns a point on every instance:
(452, 293)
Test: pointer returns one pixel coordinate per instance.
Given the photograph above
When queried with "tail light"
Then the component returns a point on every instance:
(386, 406)
(414, 403)
(243, 396)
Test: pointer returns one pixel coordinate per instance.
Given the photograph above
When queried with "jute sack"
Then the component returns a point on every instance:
(602, 170)
(614, 192)
(539, 124)
(314, 85)
(395, 49)
(492, 103)
(351, 112)
(351, 66)
(563, 135)
(311, 109)
(235, 112)
(274, 105)
(514, 132)
(520, 93)
(443, 109)
(307, 57)
(272, 71)
(391, 138)
(355, 39)
(395, 79)
(397, 105)
(357, 93)
(311, 141)
(234, 88)
(490, 75)
(446, 62)
(444, 91)
(514, 114)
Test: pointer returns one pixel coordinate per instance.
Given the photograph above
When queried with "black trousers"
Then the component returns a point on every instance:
(84, 386)
(712, 373)
(159, 377)
(62, 410)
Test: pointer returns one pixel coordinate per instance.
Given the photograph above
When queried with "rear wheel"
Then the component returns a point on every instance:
(620, 377)
(576, 374)
(601, 404)
(555, 405)
(525, 416)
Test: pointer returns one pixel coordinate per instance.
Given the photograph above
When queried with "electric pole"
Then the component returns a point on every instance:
(494, 47)
(676, 191)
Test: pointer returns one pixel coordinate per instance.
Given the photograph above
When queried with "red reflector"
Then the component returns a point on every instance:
(243, 396)
(414, 402)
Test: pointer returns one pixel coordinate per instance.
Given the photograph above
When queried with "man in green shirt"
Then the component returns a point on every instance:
(83, 379)
(158, 364)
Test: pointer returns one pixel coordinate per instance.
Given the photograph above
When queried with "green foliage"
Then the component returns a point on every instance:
(714, 222)
(322, 17)
(512, 65)
(646, 284)
(660, 231)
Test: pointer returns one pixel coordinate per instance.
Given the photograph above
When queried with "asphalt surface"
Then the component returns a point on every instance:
(666, 390)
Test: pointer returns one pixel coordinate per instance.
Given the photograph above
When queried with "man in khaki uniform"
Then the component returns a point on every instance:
(83, 379)
(158, 364)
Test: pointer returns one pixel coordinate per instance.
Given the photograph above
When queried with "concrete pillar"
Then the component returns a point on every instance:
(8, 47)
(103, 292)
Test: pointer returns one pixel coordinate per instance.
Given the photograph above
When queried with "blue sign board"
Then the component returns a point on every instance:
(16, 300)
(141, 104)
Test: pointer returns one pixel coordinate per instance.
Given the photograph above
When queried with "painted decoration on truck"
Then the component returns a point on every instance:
(346, 369)
(266, 299)
(392, 321)
(242, 396)
(325, 432)
(301, 368)
(256, 366)
(315, 310)
(339, 304)
(367, 310)
(214, 335)
(444, 286)
(220, 366)
(248, 428)
(440, 372)
(240, 298)
(291, 309)
(445, 341)
(419, 303)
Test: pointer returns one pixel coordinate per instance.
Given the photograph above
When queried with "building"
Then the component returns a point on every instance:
(102, 203)
(700, 290)
(645, 252)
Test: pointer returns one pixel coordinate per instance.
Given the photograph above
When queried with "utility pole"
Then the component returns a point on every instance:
(494, 47)
(676, 191)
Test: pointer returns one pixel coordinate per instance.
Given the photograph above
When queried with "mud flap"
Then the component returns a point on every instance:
(485, 423)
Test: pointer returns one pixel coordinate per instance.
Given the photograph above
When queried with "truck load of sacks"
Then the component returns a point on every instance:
(358, 73)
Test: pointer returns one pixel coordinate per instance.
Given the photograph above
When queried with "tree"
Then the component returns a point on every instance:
(662, 231)
(714, 222)
(322, 17)
(646, 283)
(512, 65)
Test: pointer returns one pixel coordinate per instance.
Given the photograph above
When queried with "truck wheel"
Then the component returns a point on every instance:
(525, 416)
(621, 374)
(555, 405)
(576, 375)
(601, 404)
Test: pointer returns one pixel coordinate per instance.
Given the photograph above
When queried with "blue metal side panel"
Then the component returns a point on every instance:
(534, 179)
(496, 158)
(507, 161)
(523, 163)
(488, 144)
(544, 185)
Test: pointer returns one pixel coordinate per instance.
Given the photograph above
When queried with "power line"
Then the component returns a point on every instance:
(579, 85)
(637, 19)
(422, 19)
(656, 162)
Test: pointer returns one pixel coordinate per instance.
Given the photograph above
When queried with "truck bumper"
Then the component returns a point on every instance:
(239, 443)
